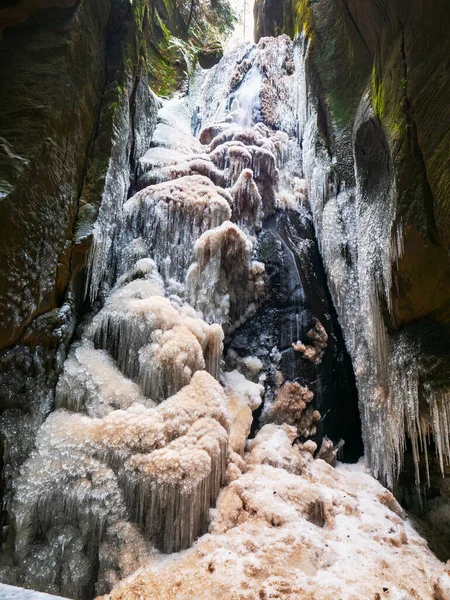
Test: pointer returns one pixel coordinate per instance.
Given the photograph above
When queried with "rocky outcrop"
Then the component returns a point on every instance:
(375, 155)
(76, 113)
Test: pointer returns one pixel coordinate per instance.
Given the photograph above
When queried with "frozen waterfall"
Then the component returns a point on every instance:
(213, 321)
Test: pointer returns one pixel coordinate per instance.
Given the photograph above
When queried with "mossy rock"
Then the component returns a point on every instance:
(210, 55)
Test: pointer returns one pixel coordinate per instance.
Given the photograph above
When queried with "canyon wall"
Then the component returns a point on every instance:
(376, 139)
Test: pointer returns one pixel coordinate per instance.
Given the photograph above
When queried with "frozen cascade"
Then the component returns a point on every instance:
(150, 418)
(245, 104)
(143, 435)
(86, 473)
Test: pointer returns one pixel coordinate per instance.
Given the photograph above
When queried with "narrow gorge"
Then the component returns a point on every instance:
(225, 300)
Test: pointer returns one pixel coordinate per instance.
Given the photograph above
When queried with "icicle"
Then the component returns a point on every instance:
(247, 203)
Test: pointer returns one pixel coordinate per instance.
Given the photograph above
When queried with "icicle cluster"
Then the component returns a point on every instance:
(167, 218)
(160, 466)
(92, 384)
(153, 341)
(361, 242)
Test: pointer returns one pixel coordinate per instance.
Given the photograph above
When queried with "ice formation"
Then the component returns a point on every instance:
(92, 383)
(154, 342)
(222, 262)
(159, 467)
(244, 397)
(247, 203)
(292, 406)
(335, 533)
(360, 244)
(319, 339)
(168, 218)
(144, 435)
(359, 238)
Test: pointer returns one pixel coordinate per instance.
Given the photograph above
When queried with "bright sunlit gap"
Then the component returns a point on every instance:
(244, 30)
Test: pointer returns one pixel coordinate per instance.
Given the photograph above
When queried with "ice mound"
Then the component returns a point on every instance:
(292, 406)
(154, 342)
(274, 446)
(233, 157)
(223, 282)
(168, 136)
(160, 468)
(244, 397)
(335, 533)
(193, 165)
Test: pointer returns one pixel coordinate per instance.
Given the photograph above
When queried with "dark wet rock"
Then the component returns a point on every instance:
(210, 55)
(14, 12)
(298, 298)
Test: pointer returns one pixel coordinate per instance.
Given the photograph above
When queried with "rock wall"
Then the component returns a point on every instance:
(76, 112)
(375, 153)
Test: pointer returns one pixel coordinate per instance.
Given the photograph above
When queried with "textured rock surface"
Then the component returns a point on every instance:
(375, 129)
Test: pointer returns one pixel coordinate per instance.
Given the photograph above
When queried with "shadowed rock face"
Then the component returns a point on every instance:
(13, 12)
(376, 85)
(53, 78)
(49, 107)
